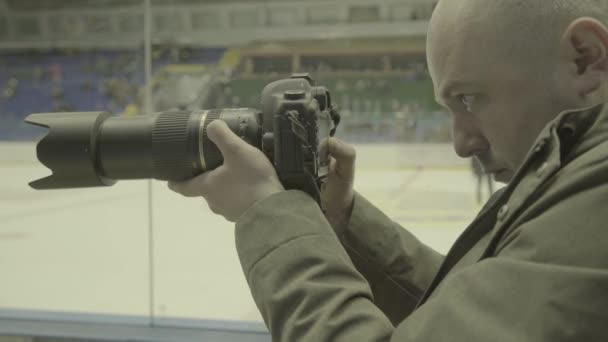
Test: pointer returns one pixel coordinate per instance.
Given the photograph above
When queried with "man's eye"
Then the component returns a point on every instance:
(468, 101)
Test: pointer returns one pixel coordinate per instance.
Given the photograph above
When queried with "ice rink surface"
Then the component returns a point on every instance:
(87, 250)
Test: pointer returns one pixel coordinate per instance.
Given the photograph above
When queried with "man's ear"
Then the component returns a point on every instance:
(586, 41)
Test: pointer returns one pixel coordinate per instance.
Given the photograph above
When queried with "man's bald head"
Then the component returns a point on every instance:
(505, 68)
(527, 13)
(518, 27)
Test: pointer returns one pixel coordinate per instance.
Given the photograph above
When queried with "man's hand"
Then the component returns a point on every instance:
(247, 176)
(337, 195)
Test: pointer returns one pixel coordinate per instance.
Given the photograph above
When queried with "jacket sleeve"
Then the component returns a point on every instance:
(301, 278)
(397, 266)
(307, 287)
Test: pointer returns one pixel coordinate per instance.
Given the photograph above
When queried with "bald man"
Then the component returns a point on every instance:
(526, 82)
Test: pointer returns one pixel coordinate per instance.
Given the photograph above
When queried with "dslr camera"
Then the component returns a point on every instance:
(90, 149)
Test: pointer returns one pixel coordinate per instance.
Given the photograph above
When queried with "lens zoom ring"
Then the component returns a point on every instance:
(171, 148)
(213, 156)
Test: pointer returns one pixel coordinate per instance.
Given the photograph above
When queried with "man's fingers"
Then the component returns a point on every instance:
(341, 150)
(344, 156)
(226, 141)
(340, 176)
(184, 188)
(191, 187)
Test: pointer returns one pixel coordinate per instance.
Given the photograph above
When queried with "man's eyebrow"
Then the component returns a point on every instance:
(448, 89)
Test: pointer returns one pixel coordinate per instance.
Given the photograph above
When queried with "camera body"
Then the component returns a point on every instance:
(91, 149)
(303, 118)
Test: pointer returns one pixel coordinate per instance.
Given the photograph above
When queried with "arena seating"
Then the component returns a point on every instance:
(77, 81)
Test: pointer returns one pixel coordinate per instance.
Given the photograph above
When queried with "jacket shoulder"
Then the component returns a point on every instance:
(564, 222)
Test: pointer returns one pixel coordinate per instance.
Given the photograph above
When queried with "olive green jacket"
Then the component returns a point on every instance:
(533, 265)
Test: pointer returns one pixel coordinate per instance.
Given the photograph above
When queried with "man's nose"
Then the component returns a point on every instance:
(468, 139)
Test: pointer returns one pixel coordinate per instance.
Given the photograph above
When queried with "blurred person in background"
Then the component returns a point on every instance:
(526, 83)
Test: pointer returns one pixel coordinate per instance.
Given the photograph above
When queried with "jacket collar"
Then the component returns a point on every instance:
(581, 130)
(569, 135)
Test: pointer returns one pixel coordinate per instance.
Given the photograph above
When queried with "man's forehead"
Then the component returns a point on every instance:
(450, 30)
(457, 63)
(462, 49)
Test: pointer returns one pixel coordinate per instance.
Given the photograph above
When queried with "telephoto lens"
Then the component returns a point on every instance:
(86, 149)
(89, 149)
